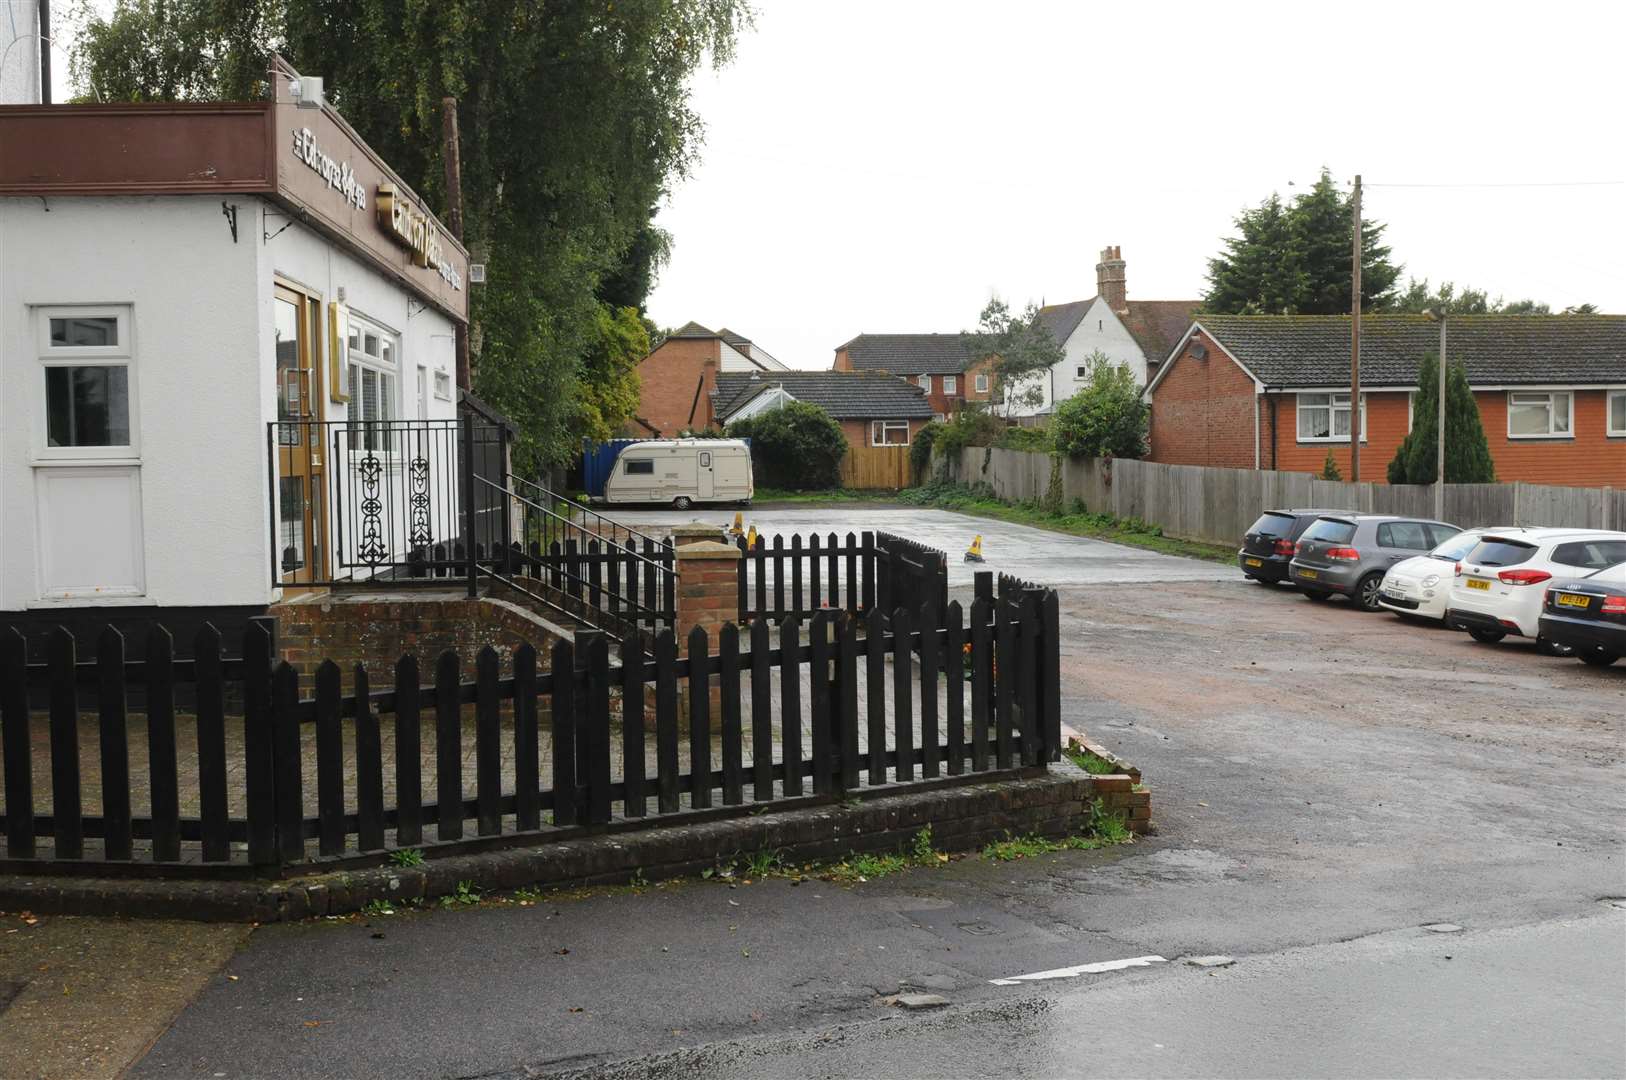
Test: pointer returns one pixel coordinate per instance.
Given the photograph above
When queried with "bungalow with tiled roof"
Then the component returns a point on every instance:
(1140, 333)
(677, 378)
(1272, 392)
(873, 408)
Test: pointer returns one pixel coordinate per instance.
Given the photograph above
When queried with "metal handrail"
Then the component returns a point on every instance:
(555, 497)
(583, 530)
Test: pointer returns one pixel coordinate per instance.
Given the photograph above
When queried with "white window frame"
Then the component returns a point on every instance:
(1609, 400)
(1551, 397)
(1081, 371)
(1333, 407)
(982, 382)
(925, 382)
(443, 384)
(358, 358)
(57, 356)
(951, 384)
(879, 430)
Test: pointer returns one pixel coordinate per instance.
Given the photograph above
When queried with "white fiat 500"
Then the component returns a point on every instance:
(1420, 585)
(1497, 587)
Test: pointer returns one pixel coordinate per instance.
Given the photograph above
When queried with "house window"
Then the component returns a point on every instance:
(951, 384)
(1539, 415)
(926, 383)
(372, 360)
(1617, 413)
(889, 433)
(1325, 418)
(443, 386)
(85, 356)
(1081, 372)
(982, 382)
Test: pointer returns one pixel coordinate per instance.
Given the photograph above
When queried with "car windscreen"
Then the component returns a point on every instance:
(1590, 554)
(1494, 551)
(1331, 530)
(1270, 524)
(1455, 549)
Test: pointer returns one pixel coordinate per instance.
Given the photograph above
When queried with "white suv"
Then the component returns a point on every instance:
(1498, 586)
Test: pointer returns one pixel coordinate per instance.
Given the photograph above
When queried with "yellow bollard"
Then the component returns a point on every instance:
(751, 539)
(974, 553)
(739, 524)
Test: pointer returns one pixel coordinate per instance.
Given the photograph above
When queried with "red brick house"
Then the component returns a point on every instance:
(873, 408)
(1272, 392)
(678, 378)
(940, 364)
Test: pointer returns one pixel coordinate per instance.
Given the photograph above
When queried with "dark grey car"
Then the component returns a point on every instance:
(1350, 553)
(1267, 547)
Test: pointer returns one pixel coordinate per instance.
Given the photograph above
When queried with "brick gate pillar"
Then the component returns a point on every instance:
(708, 595)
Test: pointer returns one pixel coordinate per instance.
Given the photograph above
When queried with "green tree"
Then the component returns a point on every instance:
(1107, 417)
(1467, 452)
(1020, 348)
(574, 118)
(1293, 259)
(1418, 297)
(796, 446)
(607, 380)
(1329, 469)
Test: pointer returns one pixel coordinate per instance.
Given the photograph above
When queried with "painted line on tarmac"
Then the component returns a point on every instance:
(1081, 969)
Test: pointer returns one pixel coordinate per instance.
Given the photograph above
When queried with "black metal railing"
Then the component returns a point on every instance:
(314, 770)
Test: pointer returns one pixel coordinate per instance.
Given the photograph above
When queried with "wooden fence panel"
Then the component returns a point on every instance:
(875, 467)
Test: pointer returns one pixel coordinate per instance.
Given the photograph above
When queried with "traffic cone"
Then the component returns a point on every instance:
(751, 539)
(739, 524)
(974, 552)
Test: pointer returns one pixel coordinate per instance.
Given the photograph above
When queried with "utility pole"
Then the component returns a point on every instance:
(1439, 452)
(45, 52)
(454, 217)
(1355, 340)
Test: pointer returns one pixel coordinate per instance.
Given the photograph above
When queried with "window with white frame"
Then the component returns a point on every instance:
(1325, 417)
(85, 356)
(1082, 371)
(951, 384)
(889, 433)
(925, 383)
(443, 386)
(1616, 412)
(372, 357)
(982, 382)
(1539, 415)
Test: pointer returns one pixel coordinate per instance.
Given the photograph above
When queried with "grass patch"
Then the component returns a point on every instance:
(1103, 830)
(1077, 520)
(826, 495)
(1092, 763)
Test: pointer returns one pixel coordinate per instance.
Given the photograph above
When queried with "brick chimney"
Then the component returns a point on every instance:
(1109, 279)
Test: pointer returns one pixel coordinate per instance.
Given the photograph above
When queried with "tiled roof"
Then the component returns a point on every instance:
(691, 330)
(1062, 319)
(909, 354)
(732, 338)
(1158, 325)
(845, 395)
(1313, 350)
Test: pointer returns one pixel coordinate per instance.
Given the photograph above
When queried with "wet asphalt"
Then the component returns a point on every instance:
(1325, 783)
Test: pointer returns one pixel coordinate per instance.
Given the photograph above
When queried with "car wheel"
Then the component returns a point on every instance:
(1486, 637)
(1315, 594)
(1552, 648)
(1366, 592)
(1597, 657)
(682, 502)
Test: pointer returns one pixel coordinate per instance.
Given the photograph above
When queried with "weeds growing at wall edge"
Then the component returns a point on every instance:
(1104, 829)
(1076, 520)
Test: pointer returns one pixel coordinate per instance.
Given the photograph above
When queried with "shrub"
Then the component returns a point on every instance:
(1329, 469)
(920, 449)
(1021, 438)
(1107, 417)
(973, 425)
(796, 446)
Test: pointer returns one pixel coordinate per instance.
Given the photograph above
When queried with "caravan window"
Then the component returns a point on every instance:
(705, 460)
(641, 467)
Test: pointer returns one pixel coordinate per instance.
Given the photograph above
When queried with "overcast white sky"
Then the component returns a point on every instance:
(886, 166)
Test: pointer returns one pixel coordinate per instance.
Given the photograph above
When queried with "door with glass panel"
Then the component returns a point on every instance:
(301, 505)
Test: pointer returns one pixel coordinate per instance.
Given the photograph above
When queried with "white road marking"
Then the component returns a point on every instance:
(1081, 969)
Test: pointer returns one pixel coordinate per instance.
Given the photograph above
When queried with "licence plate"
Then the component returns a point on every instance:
(1393, 594)
(1565, 599)
(1475, 583)
(1307, 574)
(1253, 562)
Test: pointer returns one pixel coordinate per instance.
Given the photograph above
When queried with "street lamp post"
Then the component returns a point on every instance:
(1438, 314)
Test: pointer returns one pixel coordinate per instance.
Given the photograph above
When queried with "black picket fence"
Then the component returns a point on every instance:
(575, 738)
(855, 574)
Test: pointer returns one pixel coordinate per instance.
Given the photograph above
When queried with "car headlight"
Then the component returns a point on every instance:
(1431, 581)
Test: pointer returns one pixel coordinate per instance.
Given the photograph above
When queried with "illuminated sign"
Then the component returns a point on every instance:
(414, 230)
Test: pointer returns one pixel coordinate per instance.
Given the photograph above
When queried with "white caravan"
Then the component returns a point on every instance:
(681, 472)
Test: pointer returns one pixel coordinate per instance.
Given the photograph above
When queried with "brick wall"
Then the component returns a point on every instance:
(857, 431)
(1590, 459)
(1386, 425)
(378, 632)
(1203, 411)
(667, 380)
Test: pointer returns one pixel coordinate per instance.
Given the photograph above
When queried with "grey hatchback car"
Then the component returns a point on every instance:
(1350, 553)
